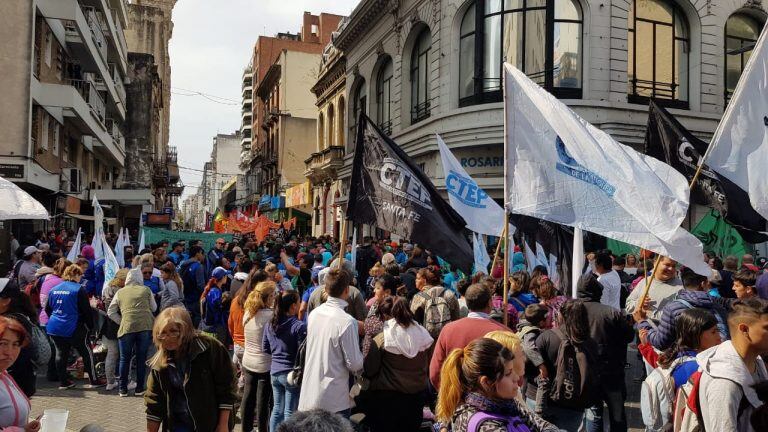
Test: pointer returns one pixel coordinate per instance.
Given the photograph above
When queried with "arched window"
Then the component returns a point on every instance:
(542, 38)
(741, 33)
(320, 132)
(342, 120)
(658, 47)
(384, 96)
(420, 105)
(331, 127)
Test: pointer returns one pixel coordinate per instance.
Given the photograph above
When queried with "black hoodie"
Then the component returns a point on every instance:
(607, 326)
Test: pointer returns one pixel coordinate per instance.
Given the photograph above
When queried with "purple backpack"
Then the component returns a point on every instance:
(514, 423)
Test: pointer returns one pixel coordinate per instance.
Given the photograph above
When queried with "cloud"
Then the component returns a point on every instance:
(211, 45)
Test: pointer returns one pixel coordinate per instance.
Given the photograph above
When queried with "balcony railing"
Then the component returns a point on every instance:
(114, 132)
(172, 155)
(96, 31)
(118, 80)
(324, 160)
(92, 97)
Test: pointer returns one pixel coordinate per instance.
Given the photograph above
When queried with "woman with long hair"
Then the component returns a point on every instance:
(384, 286)
(257, 393)
(478, 386)
(235, 320)
(15, 411)
(191, 380)
(16, 304)
(110, 328)
(173, 294)
(282, 339)
(70, 319)
(573, 328)
(132, 308)
(397, 367)
(544, 289)
(212, 306)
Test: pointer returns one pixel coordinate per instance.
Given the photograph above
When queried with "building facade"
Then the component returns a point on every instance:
(328, 157)
(63, 109)
(421, 67)
(315, 34)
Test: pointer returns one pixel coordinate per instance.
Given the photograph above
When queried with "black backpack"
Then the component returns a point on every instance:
(296, 375)
(576, 383)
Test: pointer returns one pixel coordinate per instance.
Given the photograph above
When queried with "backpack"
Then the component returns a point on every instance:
(687, 415)
(296, 375)
(657, 396)
(14, 274)
(722, 326)
(576, 382)
(437, 313)
(33, 291)
(39, 347)
(514, 423)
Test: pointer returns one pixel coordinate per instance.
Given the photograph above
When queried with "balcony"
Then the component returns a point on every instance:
(323, 165)
(97, 32)
(118, 81)
(114, 132)
(173, 165)
(174, 190)
(91, 96)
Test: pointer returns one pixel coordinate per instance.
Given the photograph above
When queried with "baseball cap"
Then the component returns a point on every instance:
(218, 273)
(387, 259)
(407, 247)
(29, 250)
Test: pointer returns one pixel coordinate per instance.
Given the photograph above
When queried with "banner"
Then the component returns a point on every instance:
(577, 260)
(719, 237)
(98, 223)
(562, 169)
(548, 244)
(480, 211)
(482, 259)
(111, 266)
(619, 248)
(298, 195)
(739, 148)
(670, 142)
(75, 251)
(156, 235)
(389, 191)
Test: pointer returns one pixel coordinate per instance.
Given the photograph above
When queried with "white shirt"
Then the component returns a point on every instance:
(611, 289)
(333, 351)
(254, 357)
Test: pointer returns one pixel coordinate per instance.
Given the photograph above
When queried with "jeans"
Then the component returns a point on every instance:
(130, 344)
(113, 356)
(78, 341)
(257, 397)
(286, 399)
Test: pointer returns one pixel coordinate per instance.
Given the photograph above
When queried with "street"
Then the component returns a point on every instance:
(118, 414)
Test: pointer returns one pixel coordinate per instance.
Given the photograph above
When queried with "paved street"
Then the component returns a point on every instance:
(118, 414)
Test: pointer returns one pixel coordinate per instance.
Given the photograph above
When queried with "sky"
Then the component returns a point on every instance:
(211, 44)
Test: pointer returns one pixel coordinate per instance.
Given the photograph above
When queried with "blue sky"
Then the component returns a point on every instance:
(211, 45)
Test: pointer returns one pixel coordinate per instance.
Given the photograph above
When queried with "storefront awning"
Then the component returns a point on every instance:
(109, 220)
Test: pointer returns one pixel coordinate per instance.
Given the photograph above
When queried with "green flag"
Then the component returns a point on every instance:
(719, 237)
(618, 248)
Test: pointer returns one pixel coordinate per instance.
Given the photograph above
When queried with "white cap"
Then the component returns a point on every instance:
(29, 250)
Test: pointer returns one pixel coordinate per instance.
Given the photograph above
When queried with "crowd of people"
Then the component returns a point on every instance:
(291, 334)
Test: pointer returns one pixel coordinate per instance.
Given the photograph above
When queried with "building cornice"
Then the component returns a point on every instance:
(330, 81)
(364, 14)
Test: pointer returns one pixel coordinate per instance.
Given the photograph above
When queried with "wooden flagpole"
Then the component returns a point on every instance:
(343, 247)
(498, 247)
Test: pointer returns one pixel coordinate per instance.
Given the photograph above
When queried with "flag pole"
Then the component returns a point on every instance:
(498, 247)
(505, 300)
(649, 280)
(343, 241)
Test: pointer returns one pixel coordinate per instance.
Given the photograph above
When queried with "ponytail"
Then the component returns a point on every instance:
(451, 387)
(285, 300)
(211, 283)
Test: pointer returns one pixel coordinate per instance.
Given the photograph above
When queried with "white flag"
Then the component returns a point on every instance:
(562, 169)
(110, 262)
(127, 238)
(480, 211)
(353, 254)
(481, 254)
(75, 251)
(739, 148)
(141, 240)
(98, 223)
(120, 250)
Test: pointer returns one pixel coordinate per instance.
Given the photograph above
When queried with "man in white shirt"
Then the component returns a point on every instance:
(333, 350)
(610, 280)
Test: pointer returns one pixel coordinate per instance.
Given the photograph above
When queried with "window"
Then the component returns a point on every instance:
(540, 37)
(342, 120)
(331, 127)
(658, 49)
(320, 132)
(45, 131)
(741, 33)
(384, 96)
(359, 105)
(420, 104)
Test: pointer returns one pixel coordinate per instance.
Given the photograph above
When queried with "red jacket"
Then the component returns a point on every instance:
(458, 334)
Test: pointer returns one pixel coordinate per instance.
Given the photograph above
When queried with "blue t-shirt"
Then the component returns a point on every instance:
(305, 298)
(63, 299)
(326, 258)
(153, 284)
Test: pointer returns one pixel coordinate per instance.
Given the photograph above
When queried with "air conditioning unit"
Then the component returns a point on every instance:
(75, 180)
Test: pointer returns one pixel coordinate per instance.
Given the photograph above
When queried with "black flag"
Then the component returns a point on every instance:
(389, 191)
(669, 141)
(555, 241)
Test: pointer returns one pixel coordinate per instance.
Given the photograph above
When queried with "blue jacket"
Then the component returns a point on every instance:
(175, 258)
(153, 284)
(212, 261)
(522, 300)
(213, 312)
(283, 343)
(67, 307)
(192, 275)
(665, 334)
(94, 277)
